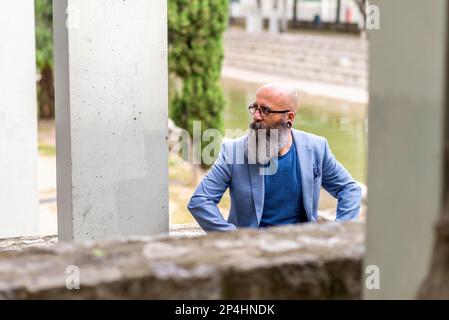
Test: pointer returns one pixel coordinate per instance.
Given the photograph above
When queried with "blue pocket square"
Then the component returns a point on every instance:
(316, 171)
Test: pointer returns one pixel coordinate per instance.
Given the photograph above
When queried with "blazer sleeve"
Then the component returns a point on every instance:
(203, 204)
(338, 182)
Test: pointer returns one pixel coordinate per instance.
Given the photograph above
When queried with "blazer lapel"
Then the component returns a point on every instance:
(257, 183)
(305, 157)
(258, 188)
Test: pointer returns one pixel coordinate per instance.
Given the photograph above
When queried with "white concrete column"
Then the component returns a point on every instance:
(274, 26)
(408, 72)
(325, 11)
(18, 121)
(111, 117)
(254, 18)
(284, 16)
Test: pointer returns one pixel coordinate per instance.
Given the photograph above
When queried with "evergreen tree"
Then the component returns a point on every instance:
(195, 32)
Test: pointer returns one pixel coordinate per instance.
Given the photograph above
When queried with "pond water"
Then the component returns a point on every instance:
(342, 123)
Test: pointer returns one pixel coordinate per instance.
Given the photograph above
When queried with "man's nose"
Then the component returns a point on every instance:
(257, 116)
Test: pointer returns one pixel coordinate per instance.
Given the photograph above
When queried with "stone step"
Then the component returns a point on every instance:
(311, 75)
(333, 65)
(359, 47)
(298, 50)
(299, 47)
(301, 70)
(358, 81)
(293, 35)
(326, 78)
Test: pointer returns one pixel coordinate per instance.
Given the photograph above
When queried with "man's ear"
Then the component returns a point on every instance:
(289, 119)
(291, 116)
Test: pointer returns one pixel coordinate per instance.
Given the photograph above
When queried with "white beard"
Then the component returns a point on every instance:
(262, 147)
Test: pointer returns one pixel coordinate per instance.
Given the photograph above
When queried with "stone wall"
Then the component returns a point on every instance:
(312, 261)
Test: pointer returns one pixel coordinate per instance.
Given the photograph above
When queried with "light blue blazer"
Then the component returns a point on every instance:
(318, 167)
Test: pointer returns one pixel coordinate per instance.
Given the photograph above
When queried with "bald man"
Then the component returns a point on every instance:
(274, 173)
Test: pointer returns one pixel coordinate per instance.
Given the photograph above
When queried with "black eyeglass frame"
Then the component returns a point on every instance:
(267, 112)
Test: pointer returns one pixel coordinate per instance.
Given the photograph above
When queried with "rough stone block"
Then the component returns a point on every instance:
(311, 261)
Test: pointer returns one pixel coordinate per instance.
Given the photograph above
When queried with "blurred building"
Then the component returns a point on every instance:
(344, 15)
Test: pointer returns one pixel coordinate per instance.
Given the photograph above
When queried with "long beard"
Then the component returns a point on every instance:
(264, 143)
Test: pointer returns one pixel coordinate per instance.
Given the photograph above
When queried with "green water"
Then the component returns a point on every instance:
(342, 123)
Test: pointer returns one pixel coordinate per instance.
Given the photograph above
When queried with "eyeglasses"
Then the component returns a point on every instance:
(264, 110)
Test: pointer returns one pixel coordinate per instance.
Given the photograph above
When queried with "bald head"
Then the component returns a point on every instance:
(280, 95)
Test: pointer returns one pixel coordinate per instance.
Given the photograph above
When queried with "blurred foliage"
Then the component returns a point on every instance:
(47, 149)
(44, 57)
(195, 32)
(44, 35)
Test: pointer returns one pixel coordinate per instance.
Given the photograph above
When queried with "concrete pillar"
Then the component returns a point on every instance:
(408, 62)
(274, 26)
(324, 10)
(111, 118)
(254, 19)
(284, 16)
(18, 121)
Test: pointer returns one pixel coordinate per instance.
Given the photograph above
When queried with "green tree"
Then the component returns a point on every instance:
(44, 58)
(195, 32)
